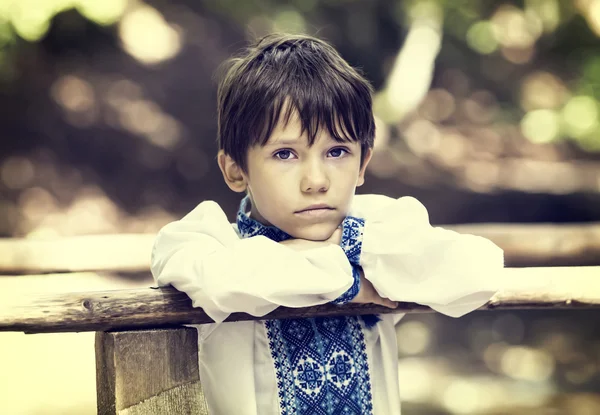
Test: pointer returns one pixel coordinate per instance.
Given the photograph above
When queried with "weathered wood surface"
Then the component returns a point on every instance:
(135, 309)
(555, 287)
(524, 245)
(148, 372)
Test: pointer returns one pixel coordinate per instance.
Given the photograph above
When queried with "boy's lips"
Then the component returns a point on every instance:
(315, 210)
(318, 206)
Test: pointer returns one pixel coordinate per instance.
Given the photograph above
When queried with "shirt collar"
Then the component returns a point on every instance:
(249, 227)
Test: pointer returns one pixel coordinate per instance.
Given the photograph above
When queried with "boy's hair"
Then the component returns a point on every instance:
(283, 74)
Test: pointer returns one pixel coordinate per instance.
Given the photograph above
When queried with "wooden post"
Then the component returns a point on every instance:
(149, 372)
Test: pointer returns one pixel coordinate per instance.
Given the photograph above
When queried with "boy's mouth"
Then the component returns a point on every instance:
(315, 207)
(315, 210)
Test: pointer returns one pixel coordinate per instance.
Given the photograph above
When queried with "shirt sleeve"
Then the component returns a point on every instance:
(407, 259)
(203, 256)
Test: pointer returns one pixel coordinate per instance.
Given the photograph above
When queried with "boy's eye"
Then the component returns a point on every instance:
(337, 152)
(284, 154)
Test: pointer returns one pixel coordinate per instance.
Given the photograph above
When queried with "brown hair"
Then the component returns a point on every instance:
(283, 74)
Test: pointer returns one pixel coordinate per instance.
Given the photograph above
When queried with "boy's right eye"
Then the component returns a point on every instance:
(284, 155)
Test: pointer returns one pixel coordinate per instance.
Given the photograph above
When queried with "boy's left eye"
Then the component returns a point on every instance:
(337, 152)
(284, 154)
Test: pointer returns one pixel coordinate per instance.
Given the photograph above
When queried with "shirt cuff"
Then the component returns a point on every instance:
(352, 238)
(352, 292)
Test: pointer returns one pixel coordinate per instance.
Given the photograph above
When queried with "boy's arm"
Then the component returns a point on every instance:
(407, 259)
(203, 256)
(361, 291)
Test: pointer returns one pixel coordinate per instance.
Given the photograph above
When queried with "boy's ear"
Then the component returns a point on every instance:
(232, 172)
(361, 173)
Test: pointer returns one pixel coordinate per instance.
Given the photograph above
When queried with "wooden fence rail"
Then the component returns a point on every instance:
(552, 287)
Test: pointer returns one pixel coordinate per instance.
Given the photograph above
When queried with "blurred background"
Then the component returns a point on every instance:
(487, 111)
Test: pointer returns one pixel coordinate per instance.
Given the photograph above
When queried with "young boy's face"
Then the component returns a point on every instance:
(306, 191)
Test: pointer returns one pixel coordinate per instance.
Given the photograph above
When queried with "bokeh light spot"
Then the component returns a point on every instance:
(461, 397)
(580, 116)
(148, 37)
(548, 11)
(438, 105)
(290, 21)
(525, 363)
(481, 38)
(17, 172)
(422, 137)
(541, 126)
(542, 90)
(514, 29)
(413, 337)
(73, 93)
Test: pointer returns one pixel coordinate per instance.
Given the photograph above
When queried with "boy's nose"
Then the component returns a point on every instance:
(315, 179)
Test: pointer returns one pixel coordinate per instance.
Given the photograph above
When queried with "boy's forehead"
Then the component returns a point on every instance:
(297, 137)
(290, 132)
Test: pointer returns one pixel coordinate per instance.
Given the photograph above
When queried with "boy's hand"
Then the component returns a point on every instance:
(367, 294)
(303, 244)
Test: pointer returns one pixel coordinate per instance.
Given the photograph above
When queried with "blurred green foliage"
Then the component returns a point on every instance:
(530, 39)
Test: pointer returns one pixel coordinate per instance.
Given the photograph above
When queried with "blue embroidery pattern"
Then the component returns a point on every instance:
(351, 243)
(352, 237)
(321, 366)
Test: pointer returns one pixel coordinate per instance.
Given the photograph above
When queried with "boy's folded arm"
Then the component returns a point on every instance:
(203, 256)
(407, 259)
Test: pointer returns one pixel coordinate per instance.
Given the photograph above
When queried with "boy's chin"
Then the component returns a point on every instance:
(317, 232)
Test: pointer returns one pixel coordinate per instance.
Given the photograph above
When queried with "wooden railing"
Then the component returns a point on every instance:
(553, 287)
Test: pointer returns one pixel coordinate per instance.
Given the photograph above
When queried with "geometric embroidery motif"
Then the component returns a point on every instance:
(321, 366)
(351, 243)
(352, 237)
(340, 369)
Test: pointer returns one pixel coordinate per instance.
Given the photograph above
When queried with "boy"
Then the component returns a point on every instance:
(296, 134)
